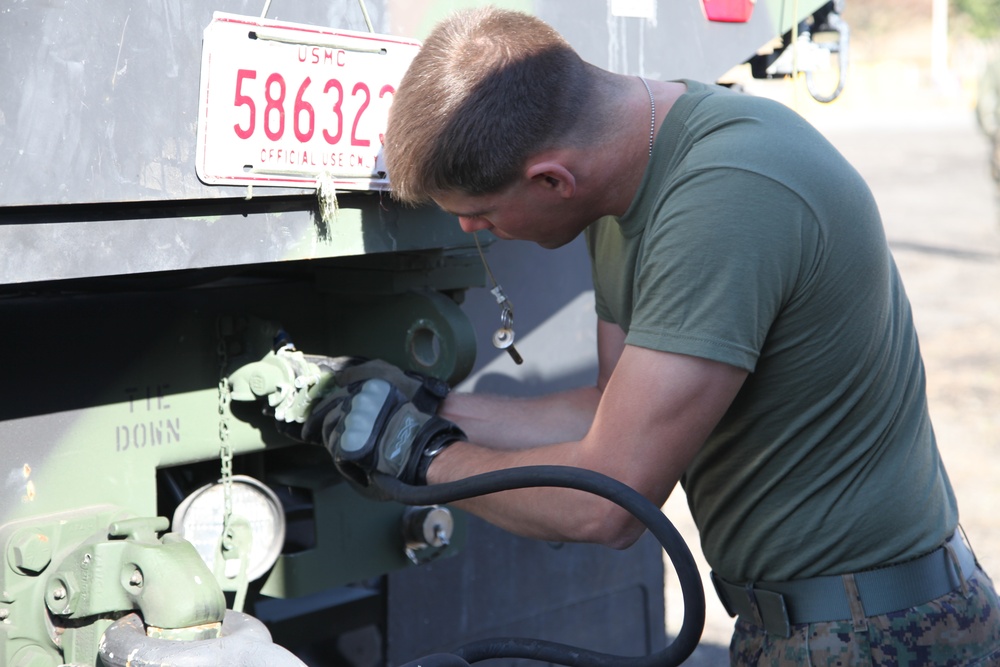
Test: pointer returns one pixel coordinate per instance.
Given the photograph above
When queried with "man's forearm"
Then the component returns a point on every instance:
(554, 514)
(501, 422)
(651, 419)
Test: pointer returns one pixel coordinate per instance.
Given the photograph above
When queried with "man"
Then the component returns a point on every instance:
(754, 342)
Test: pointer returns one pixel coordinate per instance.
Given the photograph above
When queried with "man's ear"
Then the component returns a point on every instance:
(552, 176)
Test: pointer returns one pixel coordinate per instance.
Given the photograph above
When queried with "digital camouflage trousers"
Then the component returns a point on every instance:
(961, 628)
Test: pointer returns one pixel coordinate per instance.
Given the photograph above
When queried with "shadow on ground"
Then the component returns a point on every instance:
(708, 655)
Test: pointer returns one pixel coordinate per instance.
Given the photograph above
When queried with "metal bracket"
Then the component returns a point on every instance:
(164, 578)
(70, 573)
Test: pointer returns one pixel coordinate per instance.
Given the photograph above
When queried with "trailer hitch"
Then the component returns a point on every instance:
(802, 52)
(836, 24)
(243, 642)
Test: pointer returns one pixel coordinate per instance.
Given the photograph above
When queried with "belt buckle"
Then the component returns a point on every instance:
(722, 594)
(770, 608)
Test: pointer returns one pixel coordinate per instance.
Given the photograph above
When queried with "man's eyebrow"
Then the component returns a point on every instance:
(471, 214)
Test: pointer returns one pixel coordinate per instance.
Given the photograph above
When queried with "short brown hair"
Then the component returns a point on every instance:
(488, 89)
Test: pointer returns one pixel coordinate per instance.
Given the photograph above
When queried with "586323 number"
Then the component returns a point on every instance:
(303, 114)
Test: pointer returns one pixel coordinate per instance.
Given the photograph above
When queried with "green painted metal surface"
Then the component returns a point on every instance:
(122, 387)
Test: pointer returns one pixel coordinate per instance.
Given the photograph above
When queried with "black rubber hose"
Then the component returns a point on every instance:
(583, 480)
(437, 660)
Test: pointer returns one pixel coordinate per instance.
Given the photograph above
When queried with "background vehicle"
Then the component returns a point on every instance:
(131, 288)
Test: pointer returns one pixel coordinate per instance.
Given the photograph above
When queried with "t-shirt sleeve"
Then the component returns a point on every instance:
(601, 306)
(721, 258)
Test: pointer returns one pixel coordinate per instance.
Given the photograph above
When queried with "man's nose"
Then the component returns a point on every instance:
(473, 224)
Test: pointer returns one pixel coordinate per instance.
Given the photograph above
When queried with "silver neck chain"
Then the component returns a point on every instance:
(652, 115)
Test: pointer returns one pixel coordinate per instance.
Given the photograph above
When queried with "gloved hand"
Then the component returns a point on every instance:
(422, 390)
(294, 385)
(371, 415)
(371, 426)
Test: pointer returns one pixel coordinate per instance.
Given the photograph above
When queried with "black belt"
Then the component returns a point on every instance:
(776, 606)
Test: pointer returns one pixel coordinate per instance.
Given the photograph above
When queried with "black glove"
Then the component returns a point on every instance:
(424, 391)
(295, 385)
(371, 426)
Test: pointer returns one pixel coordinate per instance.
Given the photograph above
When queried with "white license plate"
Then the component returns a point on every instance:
(288, 104)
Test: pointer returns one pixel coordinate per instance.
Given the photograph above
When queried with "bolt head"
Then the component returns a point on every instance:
(63, 594)
(30, 552)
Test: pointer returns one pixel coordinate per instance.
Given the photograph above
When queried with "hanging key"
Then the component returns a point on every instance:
(503, 339)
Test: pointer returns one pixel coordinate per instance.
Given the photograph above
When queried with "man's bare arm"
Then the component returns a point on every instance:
(655, 412)
(502, 422)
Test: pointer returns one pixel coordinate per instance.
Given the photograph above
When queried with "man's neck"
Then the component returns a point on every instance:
(611, 171)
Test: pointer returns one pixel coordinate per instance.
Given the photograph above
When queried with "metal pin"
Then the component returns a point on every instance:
(503, 339)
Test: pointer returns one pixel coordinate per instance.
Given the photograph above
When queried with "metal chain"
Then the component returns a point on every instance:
(225, 446)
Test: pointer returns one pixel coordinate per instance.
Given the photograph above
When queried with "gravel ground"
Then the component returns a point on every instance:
(929, 171)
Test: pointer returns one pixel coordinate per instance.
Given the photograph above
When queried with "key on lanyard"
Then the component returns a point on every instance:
(503, 338)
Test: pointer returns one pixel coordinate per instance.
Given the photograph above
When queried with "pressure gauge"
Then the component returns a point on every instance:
(199, 520)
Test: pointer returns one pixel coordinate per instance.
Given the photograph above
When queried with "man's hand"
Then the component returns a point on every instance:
(422, 390)
(371, 426)
(293, 384)
(370, 415)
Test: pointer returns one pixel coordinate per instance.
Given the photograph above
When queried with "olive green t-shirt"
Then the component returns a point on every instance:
(753, 242)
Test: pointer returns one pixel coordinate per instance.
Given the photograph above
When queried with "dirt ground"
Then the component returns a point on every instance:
(926, 162)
